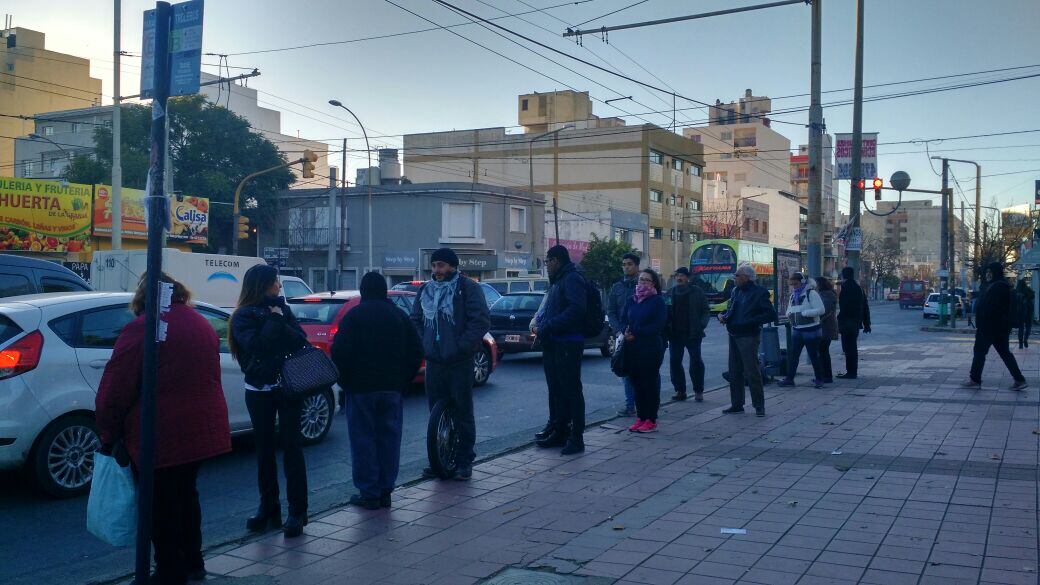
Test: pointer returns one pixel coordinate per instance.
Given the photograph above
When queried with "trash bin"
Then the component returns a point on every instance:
(770, 354)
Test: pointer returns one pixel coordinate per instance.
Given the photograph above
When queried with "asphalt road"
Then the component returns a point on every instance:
(45, 540)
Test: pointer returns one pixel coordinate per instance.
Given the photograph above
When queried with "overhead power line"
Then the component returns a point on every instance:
(611, 13)
(605, 29)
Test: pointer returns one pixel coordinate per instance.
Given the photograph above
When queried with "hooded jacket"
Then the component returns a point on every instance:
(697, 311)
(807, 313)
(564, 314)
(993, 311)
(460, 340)
(376, 348)
(853, 311)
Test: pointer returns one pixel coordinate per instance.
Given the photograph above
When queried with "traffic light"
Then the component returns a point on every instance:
(878, 185)
(308, 164)
(243, 227)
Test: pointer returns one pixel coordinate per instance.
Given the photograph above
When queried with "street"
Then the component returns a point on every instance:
(47, 541)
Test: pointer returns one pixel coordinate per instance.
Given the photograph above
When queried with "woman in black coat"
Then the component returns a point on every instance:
(829, 323)
(263, 332)
(993, 327)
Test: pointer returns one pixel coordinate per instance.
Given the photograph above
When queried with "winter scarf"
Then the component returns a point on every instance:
(644, 291)
(798, 295)
(438, 298)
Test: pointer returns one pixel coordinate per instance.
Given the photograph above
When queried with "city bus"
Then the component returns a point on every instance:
(713, 264)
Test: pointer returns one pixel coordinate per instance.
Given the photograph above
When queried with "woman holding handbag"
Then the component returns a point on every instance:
(263, 332)
(804, 312)
(191, 424)
(644, 319)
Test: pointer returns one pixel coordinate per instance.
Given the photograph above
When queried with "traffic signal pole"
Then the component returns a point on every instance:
(815, 220)
(856, 196)
(238, 193)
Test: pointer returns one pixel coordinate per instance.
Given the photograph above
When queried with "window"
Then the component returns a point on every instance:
(460, 222)
(727, 135)
(76, 127)
(107, 123)
(101, 328)
(48, 130)
(656, 196)
(696, 138)
(518, 220)
(523, 105)
(747, 223)
(740, 177)
(65, 328)
(219, 322)
(14, 284)
(671, 235)
(679, 235)
(693, 205)
(28, 169)
(656, 157)
(727, 155)
(765, 227)
(656, 233)
(677, 164)
(695, 170)
(54, 285)
(756, 226)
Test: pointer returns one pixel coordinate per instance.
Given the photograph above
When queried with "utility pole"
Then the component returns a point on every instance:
(168, 163)
(944, 241)
(117, 156)
(343, 210)
(815, 220)
(330, 268)
(856, 197)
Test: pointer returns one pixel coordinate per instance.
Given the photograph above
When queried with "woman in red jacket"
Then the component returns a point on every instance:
(191, 424)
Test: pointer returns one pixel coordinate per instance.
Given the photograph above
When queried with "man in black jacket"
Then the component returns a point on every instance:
(688, 315)
(452, 319)
(378, 353)
(620, 292)
(993, 326)
(749, 309)
(853, 315)
(559, 328)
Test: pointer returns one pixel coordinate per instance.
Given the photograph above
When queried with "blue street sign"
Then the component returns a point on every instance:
(185, 49)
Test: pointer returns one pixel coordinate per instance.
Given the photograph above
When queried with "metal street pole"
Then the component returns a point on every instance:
(157, 210)
(343, 210)
(368, 180)
(815, 220)
(856, 197)
(978, 199)
(117, 125)
(944, 242)
(330, 266)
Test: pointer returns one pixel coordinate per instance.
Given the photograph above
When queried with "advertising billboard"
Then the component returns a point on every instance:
(189, 216)
(44, 216)
(843, 156)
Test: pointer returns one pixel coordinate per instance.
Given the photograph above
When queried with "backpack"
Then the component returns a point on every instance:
(594, 313)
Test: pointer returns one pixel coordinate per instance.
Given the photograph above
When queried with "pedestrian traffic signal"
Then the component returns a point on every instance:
(309, 159)
(243, 227)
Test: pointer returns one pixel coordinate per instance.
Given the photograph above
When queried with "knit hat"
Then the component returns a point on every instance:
(847, 273)
(682, 270)
(796, 276)
(446, 255)
(373, 287)
(560, 253)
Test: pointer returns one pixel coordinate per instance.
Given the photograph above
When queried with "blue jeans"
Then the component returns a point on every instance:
(810, 341)
(374, 423)
(630, 394)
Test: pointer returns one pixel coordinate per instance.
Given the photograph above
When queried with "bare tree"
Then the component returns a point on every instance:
(883, 256)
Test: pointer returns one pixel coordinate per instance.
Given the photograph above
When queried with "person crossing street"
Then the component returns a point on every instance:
(993, 328)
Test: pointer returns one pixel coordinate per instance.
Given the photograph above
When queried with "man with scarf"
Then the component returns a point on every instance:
(993, 327)
(688, 315)
(749, 309)
(451, 316)
(559, 328)
(853, 315)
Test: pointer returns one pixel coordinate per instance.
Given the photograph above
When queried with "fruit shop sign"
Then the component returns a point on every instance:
(44, 216)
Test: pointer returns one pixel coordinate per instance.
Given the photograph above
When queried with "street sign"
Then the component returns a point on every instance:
(276, 256)
(855, 243)
(185, 49)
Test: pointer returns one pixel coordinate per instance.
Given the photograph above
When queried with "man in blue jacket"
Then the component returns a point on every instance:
(749, 309)
(452, 318)
(559, 327)
(619, 295)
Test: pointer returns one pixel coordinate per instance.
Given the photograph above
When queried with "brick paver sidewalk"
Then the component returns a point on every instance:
(899, 477)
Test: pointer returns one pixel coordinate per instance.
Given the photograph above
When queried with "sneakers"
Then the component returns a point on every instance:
(1020, 385)
(817, 383)
(733, 410)
(969, 383)
(649, 426)
(626, 411)
(785, 382)
(636, 426)
(847, 376)
(464, 472)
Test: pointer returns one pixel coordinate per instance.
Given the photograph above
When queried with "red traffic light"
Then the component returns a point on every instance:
(878, 184)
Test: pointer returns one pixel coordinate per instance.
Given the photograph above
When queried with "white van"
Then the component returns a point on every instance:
(294, 286)
(212, 278)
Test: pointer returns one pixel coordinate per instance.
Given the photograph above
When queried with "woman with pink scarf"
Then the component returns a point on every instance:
(643, 321)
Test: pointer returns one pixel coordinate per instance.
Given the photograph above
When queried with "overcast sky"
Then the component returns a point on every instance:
(438, 81)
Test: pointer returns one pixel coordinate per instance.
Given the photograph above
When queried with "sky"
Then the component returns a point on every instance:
(438, 80)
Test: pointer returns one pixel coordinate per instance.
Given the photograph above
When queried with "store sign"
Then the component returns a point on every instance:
(409, 260)
(44, 216)
(516, 261)
(478, 262)
(576, 248)
(189, 216)
(843, 156)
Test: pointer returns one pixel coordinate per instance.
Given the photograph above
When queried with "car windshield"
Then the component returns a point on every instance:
(292, 288)
(518, 303)
(314, 312)
(933, 298)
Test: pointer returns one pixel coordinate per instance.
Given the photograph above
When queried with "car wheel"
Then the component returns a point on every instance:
(63, 460)
(481, 367)
(316, 416)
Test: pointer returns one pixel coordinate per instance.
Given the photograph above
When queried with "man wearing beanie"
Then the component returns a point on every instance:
(451, 316)
(378, 354)
(853, 315)
(559, 328)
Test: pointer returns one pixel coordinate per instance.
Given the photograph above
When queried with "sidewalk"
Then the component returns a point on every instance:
(898, 477)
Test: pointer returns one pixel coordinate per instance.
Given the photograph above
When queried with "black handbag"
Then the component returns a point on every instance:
(307, 371)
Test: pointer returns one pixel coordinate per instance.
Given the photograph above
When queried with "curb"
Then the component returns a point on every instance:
(958, 330)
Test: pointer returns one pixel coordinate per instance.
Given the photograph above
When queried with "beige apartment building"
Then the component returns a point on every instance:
(916, 229)
(640, 184)
(34, 80)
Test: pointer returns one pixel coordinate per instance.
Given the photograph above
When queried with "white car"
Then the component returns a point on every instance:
(293, 286)
(53, 351)
(931, 306)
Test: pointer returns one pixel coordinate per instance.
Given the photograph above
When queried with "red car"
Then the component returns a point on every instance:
(320, 313)
(913, 293)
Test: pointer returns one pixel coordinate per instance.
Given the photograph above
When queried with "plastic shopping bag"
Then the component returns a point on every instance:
(112, 505)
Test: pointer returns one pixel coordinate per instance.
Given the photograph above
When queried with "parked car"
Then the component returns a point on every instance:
(21, 275)
(511, 320)
(518, 284)
(293, 286)
(912, 293)
(490, 293)
(892, 295)
(320, 313)
(53, 351)
(931, 306)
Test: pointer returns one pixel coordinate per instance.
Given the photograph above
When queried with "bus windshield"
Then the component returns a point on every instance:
(714, 283)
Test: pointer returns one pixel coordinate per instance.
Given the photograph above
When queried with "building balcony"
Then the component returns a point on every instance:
(313, 238)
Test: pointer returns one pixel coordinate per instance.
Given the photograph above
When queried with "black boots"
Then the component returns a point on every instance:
(294, 525)
(545, 432)
(574, 446)
(556, 438)
(265, 517)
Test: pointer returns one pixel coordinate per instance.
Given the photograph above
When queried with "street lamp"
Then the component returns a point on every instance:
(36, 136)
(978, 196)
(368, 180)
(530, 168)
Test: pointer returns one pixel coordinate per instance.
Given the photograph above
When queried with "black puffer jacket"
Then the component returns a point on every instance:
(993, 309)
(264, 339)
